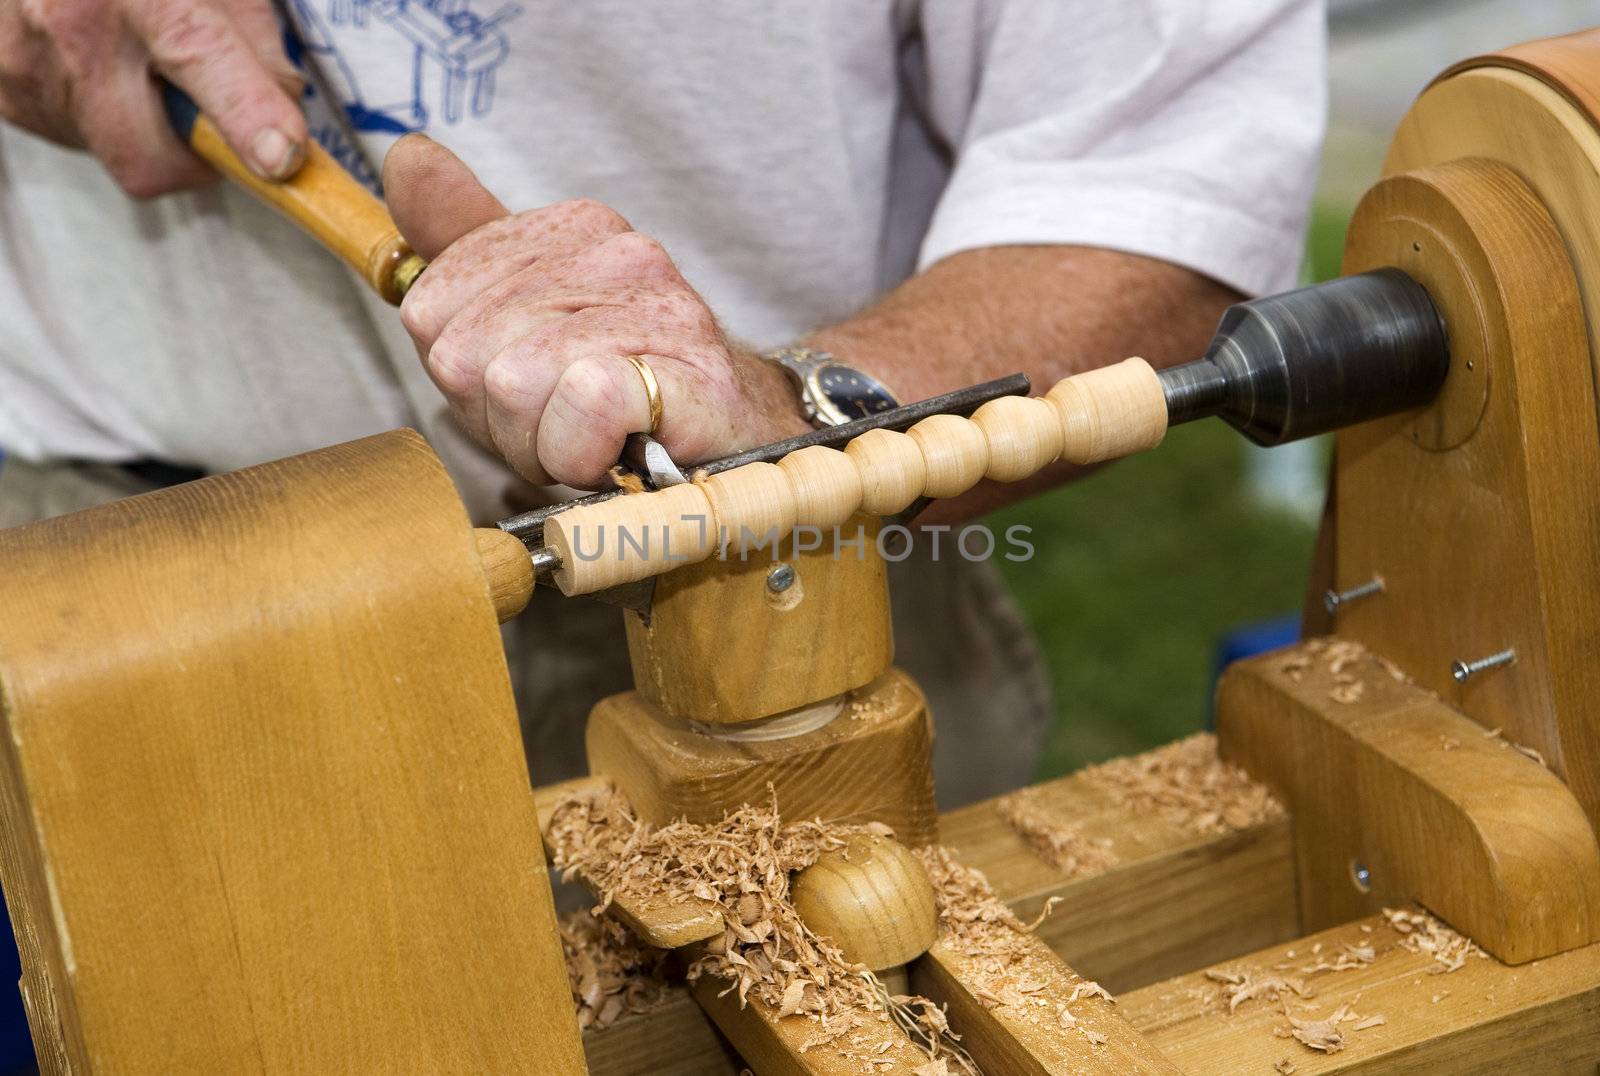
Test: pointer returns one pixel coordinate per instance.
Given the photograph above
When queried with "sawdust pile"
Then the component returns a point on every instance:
(1337, 657)
(612, 974)
(1004, 966)
(1425, 934)
(1189, 786)
(743, 864)
(1060, 844)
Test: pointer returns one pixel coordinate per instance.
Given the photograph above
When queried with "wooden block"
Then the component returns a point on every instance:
(1384, 774)
(676, 1038)
(237, 751)
(1486, 1017)
(665, 924)
(773, 1045)
(1036, 1040)
(1174, 901)
(722, 647)
(870, 763)
(1489, 537)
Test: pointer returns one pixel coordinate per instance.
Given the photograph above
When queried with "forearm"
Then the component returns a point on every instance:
(1047, 311)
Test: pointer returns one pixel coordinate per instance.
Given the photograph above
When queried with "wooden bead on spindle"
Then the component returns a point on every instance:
(892, 470)
(954, 451)
(1111, 412)
(752, 507)
(632, 537)
(1023, 434)
(825, 483)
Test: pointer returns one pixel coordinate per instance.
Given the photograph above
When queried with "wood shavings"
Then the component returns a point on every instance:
(1060, 844)
(1002, 965)
(1425, 934)
(1321, 1034)
(1348, 958)
(743, 865)
(626, 480)
(1242, 984)
(1449, 743)
(611, 973)
(1340, 659)
(1285, 1066)
(1188, 785)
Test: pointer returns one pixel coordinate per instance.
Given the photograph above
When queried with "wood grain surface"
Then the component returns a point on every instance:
(1382, 773)
(1487, 538)
(265, 802)
(722, 647)
(1485, 1018)
(869, 764)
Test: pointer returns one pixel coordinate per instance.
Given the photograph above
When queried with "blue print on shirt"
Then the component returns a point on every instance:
(395, 66)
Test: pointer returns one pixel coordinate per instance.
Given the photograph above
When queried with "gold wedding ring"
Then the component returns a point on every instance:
(652, 389)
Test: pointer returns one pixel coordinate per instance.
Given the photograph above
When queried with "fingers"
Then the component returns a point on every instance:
(263, 32)
(626, 271)
(202, 50)
(122, 122)
(433, 196)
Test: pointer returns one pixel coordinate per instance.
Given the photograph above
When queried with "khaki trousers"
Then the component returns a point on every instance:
(956, 630)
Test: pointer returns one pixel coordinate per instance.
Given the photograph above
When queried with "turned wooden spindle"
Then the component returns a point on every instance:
(1088, 418)
(873, 899)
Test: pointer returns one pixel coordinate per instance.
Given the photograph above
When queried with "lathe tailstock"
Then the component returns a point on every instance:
(265, 804)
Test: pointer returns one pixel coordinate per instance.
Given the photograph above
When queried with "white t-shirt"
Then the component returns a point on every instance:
(797, 159)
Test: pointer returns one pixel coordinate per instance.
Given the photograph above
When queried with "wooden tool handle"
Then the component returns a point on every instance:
(322, 198)
(1100, 415)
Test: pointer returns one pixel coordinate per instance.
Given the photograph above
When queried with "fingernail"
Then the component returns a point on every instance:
(274, 156)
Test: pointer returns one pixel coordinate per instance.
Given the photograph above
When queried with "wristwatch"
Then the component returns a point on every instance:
(831, 392)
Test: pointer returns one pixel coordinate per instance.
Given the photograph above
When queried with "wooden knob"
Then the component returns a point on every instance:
(872, 898)
(508, 568)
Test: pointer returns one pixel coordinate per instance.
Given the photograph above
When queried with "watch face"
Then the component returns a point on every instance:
(853, 393)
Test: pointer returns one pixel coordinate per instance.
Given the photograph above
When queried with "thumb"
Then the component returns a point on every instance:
(434, 198)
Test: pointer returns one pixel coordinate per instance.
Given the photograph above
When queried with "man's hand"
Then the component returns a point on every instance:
(80, 73)
(525, 322)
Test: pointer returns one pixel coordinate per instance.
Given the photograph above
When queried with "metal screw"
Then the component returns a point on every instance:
(1360, 875)
(1463, 670)
(1335, 598)
(780, 578)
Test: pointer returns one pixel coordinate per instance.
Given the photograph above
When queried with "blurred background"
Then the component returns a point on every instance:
(1149, 571)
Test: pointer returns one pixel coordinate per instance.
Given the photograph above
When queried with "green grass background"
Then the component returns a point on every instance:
(1142, 568)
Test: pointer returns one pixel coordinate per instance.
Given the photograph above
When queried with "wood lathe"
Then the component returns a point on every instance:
(265, 802)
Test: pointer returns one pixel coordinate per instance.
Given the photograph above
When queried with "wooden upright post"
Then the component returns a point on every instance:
(263, 793)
